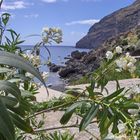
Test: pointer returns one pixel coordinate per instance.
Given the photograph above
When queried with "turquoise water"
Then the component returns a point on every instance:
(58, 53)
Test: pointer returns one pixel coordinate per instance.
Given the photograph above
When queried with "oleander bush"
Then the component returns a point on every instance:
(116, 114)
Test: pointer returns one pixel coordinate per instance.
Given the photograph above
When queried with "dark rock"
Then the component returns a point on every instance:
(89, 59)
(111, 26)
(76, 68)
(77, 54)
(65, 72)
(54, 68)
(67, 58)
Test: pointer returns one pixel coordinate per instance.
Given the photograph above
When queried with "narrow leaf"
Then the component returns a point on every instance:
(17, 61)
(66, 117)
(10, 88)
(89, 117)
(116, 93)
(6, 125)
(20, 123)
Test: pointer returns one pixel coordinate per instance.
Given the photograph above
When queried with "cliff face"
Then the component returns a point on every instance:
(112, 26)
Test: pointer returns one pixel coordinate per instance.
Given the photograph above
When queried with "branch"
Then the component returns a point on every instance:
(55, 128)
(50, 109)
(60, 127)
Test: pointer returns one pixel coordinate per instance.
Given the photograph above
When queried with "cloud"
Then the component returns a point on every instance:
(83, 22)
(31, 16)
(53, 1)
(19, 4)
(49, 1)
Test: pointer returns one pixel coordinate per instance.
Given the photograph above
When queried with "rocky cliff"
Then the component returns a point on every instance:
(112, 26)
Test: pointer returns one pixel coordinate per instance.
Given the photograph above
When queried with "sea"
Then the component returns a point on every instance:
(58, 55)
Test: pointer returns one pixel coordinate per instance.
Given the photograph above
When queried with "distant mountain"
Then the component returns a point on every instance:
(111, 26)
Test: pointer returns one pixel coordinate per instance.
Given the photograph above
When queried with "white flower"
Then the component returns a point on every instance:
(45, 75)
(118, 50)
(135, 89)
(130, 64)
(127, 54)
(36, 60)
(132, 59)
(121, 63)
(121, 128)
(126, 63)
(132, 69)
(56, 29)
(29, 75)
(133, 111)
(45, 29)
(109, 55)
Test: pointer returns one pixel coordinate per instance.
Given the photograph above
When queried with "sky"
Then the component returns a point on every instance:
(74, 17)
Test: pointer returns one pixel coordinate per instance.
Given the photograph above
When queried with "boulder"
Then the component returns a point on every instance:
(67, 71)
(77, 54)
(54, 68)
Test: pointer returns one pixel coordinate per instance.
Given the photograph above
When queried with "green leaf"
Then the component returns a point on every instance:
(6, 125)
(130, 105)
(9, 101)
(66, 117)
(73, 92)
(5, 18)
(115, 129)
(116, 93)
(89, 117)
(10, 88)
(21, 108)
(26, 94)
(90, 91)
(17, 61)
(104, 122)
(104, 127)
(20, 123)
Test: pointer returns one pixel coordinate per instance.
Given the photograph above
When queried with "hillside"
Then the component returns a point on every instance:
(112, 26)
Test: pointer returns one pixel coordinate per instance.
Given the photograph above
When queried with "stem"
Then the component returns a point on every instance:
(48, 110)
(1, 36)
(55, 128)
(64, 127)
(56, 107)
(53, 108)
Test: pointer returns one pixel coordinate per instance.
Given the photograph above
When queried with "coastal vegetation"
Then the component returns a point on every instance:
(115, 113)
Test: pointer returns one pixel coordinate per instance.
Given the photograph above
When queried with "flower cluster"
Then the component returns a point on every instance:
(51, 34)
(135, 89)
(34, 59)
(126, 62)
(110, 54)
